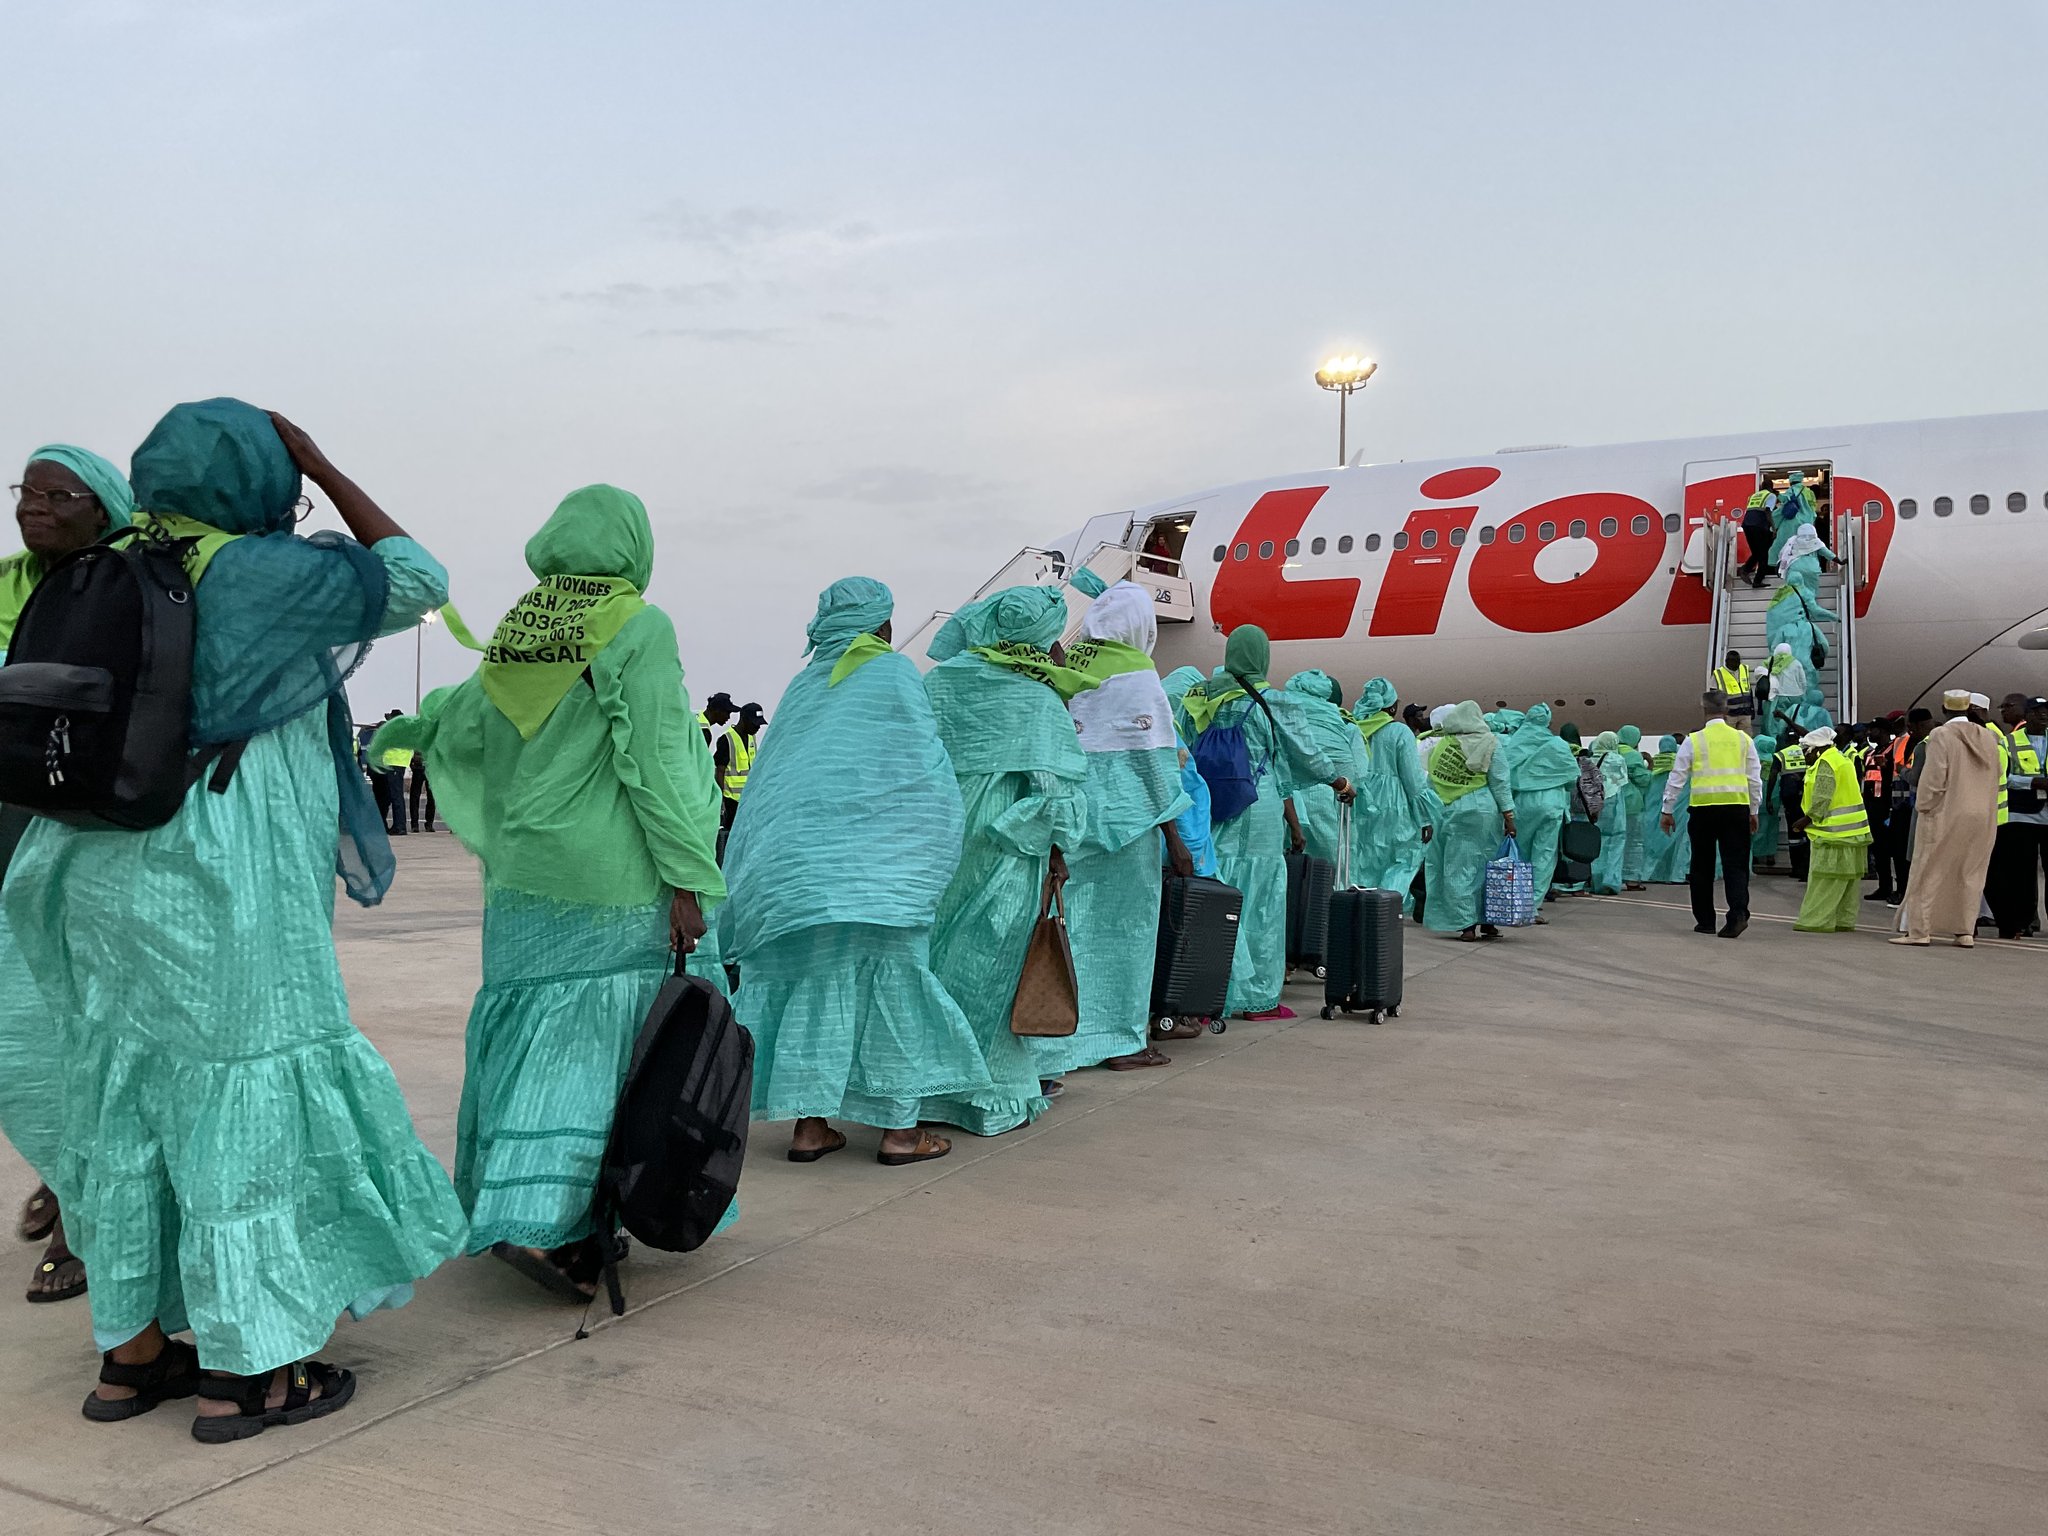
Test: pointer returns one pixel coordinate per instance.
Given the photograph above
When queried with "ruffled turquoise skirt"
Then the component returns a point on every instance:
(850, 1023)
(234, 1157)
(1251, 852)
(566, 989)
(1467, 838)
(1540, 815)
(978, 942)
(1113, 924)
(31, 1058)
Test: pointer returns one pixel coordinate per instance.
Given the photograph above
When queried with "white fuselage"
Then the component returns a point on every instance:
(1491, 597)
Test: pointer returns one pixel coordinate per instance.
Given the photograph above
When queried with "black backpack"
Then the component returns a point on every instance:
(672, 1166)
(96, 695)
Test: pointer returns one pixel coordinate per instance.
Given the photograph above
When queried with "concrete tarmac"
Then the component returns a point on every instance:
(1616, 1229)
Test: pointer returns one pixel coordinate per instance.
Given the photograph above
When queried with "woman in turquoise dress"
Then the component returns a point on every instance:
(1639, 815)
(1613, 820)
(1390, 821)
(236, 1158)
(847, 837)
(1542, 770)
(1667, 856)
(1251, 847)
(1315, 805)
(1000, 702)
(1474, 809)
(571, 765)
(1134, 799)
(68, 498)
(1197, 835)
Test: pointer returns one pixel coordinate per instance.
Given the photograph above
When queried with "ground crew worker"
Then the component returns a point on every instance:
(2022, 823)
(391, 764)
(1756, 532)
(1792, 765)
(713, 717)
(1837, 829)
(1735, 682)
(1727, 790)
(734, 755)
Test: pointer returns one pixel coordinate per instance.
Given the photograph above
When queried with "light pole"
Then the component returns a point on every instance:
(419, 641)
(1343, 375)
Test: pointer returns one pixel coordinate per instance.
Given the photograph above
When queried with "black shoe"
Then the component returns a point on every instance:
(1735, 927)
(1702, 927)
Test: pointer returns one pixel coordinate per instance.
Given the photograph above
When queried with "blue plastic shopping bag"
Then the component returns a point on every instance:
(1510, 888)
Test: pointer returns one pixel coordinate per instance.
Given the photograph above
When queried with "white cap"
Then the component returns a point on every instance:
(1824, 737)
(1982, 701)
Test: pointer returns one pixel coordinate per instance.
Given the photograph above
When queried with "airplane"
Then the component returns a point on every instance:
(1603, 580)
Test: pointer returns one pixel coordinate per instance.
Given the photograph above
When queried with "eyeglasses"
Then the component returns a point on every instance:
(56, 501)
(301, 510)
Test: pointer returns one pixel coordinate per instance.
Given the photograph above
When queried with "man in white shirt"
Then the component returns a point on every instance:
(1718, 766)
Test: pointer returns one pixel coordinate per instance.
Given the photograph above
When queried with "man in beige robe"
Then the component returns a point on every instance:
(1955, 822)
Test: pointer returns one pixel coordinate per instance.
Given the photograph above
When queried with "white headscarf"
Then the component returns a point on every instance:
(1804, 541)
(1823, 737)
(1129, 712)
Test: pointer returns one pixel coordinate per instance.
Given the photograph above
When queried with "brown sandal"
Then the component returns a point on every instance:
(38, 1215)
(928, 1147)
(812, 1154)
(1138, 1060)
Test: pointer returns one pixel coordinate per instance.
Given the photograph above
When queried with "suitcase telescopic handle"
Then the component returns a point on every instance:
(1342, 882)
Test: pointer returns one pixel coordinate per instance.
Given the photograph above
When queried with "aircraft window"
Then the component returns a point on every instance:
(1293, 548)
(1979, 504)
(1429, 538)
(1240, 552)
(1457, 538)
(1671, 522)
(1401, 540)
(1873, 511)
(1578, 529)
(1318, 546)
(1372, 541)
(1943, 507)
(2016, 501)
(1517, 532)
(1546, 532)
(1639, 525)
(1221, 551)
(1909, 508)
(1488, 534)
(1266, 550)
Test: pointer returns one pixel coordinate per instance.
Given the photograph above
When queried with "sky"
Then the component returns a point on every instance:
(898, 289)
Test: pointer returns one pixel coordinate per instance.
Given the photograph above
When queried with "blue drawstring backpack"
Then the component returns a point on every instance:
(1223, 758)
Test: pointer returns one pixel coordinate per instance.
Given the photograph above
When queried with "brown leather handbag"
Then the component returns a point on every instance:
(1048, 1000)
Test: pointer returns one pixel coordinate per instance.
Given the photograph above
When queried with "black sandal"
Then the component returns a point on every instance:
(251, 1395)
(38, 1215)
(570, 1271)
(60, 1263)
(173, 1373)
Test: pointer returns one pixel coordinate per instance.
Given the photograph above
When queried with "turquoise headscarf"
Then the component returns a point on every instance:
(1631, 735)
(1377, 695)
(282, 620)
(1315, 684)
(851, 607)
(1030, 616)
(1536, 759)
(100, 477)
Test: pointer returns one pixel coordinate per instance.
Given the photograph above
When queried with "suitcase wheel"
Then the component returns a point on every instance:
(1322, 973)
(1379, 1016)
(1217, 1026)
(1329, 1013)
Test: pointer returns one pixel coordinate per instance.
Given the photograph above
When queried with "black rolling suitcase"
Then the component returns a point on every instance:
(1363, 959)
(1309, 882)
(1197, 940)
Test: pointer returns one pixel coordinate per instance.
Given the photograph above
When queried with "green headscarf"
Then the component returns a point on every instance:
(1379, 694)
(1247, 656)
(19, 573)
(1606, 741)
(594, 558)
(1631, 735)
(1015, 628)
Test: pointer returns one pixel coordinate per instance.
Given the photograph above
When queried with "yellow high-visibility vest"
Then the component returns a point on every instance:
(1720, 775)
(2004, 773)
(739, 758)
(395, 757)
(1734, 684)
(1843, 819)
(1760, 496)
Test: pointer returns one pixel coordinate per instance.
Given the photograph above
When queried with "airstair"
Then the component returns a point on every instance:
(1740, 611)
(1113, 559)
